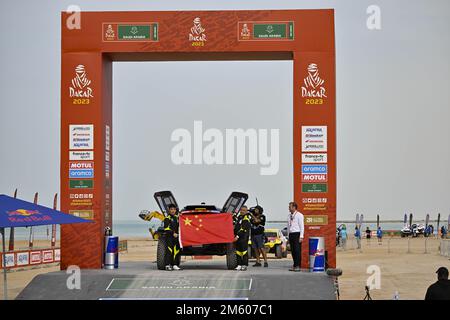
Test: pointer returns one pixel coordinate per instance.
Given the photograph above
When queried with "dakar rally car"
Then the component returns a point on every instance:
(233, 205)
(276, 243)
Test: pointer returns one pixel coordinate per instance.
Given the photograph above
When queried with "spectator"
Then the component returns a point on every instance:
(379, 235)
(443, 232)
(344, 237)
(440, 290)
(258, 222)
(368, 235)
(358, 238)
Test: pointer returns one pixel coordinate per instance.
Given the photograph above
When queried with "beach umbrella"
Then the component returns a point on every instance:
(19, 213)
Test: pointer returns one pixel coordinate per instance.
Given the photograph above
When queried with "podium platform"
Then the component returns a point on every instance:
(199, 279)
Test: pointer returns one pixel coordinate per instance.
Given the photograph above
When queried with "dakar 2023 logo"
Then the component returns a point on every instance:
(313, 83)
(80, 87)
(197, 35)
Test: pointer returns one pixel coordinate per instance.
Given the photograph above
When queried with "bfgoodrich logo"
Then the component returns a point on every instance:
(197, 32)
(80, 84)
(313, 84)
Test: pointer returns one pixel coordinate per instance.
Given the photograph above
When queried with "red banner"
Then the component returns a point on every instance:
(198, 229)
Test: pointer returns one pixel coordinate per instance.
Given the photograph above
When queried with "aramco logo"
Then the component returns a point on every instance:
(23, 212)
(313, 83)
(197, 35)
(80, 84)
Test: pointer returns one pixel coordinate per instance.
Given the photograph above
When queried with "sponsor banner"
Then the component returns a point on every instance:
(57, 255)
(22, 258)
(81, 184)
(314, 204)
(135, 32)
(81, 155)
(314, 177)
(316, 220)
(85, 214)
(47, 256)
(314, 187)
(265, 30)
(314, 138)
(35, 257)
(314, 158)
(81, 136)
(82, 173)
(314, 169)
(9, 260)
(81, 165)
(81, 199)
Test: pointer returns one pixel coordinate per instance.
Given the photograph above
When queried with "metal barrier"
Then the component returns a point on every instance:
(445, 247)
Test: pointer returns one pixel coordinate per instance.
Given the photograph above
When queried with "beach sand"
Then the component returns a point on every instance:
(408, 273)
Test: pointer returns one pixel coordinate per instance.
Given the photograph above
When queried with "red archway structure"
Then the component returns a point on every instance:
(304, 36)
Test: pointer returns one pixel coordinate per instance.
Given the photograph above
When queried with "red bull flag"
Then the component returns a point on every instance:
(19, 213)
(198, 229)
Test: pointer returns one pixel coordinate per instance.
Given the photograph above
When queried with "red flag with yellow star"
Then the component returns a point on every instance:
(198, 229)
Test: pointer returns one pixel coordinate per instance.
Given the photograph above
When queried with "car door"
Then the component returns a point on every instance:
(235, 202)
(164, 199)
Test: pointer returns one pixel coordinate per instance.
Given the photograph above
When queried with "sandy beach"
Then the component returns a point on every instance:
(408, 273)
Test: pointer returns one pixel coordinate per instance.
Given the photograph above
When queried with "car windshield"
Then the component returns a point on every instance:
(271, 234)
(200, 208)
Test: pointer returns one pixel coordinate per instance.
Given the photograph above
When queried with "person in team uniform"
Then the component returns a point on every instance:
(171, 225)
(241, 232)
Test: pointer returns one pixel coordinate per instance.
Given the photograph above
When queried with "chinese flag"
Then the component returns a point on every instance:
(197, 229)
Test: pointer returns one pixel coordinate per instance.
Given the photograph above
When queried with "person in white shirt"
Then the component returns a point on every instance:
(296, 230)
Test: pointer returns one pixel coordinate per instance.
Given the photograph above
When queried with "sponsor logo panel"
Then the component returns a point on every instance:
(35, 257)
(316, 220)
(314, 169)
(86, 214)
(23, 258)
(81, 165)
(47, 256)
(314, 138)
(134, 32)
(81, 136)
(314, 177)
(314, 158)
(81, 155)
(265, 30)
(314, 187)
(81, 173)
(81, 184)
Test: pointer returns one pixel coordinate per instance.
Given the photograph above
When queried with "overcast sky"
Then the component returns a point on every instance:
(393, 110)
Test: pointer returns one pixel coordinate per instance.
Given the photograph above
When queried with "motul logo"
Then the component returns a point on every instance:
(314, 178)
(81, 165)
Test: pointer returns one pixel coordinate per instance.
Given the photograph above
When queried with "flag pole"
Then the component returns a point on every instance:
(5, 284)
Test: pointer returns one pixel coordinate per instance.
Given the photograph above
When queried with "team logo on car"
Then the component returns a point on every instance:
(313, 83)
